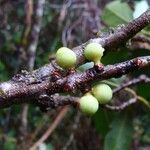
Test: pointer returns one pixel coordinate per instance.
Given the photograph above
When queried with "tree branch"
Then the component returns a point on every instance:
(110, 41)
(19, 92)
(38, 86)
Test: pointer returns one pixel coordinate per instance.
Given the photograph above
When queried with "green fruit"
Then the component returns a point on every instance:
(94, 52)
(88, 104)
(103, 93)
(66, 58)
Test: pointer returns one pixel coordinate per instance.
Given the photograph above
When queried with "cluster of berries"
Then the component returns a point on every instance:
(100, 93)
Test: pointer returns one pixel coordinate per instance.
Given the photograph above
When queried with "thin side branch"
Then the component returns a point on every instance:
(140, 79)
(123, 105)
(140, 42)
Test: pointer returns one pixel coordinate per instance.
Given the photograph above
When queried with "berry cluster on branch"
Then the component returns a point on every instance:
(42, 86)
(101, 93)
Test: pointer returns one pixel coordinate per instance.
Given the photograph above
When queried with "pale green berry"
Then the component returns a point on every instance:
(103, 93)
(66, 58)
(94, 52)
(88, 104)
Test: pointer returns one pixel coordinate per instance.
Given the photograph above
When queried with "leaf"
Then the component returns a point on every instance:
(116, 13)
(113, 57)
(120, 136)
(86, 66)
(102, 120)
(3, 72)
(143, 90)
(49, 146)
(10, 145)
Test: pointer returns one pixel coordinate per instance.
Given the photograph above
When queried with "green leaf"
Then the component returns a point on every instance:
(50, 146)
(3, 72)
(102, 120)
(86, 66)
(120, 136)
(116, 13)
(113, 57)
(10, 145)
(143, 90)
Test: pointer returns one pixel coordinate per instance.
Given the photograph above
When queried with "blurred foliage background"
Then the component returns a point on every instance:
(70, 23)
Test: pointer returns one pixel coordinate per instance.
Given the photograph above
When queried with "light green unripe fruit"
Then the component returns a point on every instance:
(88, 104)
(103, 93)
(66, 58)
(94, 52)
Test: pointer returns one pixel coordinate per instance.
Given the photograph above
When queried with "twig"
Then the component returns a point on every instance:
(141, 38)
(139, 42)
(51, 128)
(56, 100)
(123, 105)
(130, 101)
(141, 78)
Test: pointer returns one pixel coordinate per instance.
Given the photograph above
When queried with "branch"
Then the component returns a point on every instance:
(38, 86)
(140, 42)
(110, 41)
(123, 105)
(19, 92)
(107, 72)
(140, 79)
